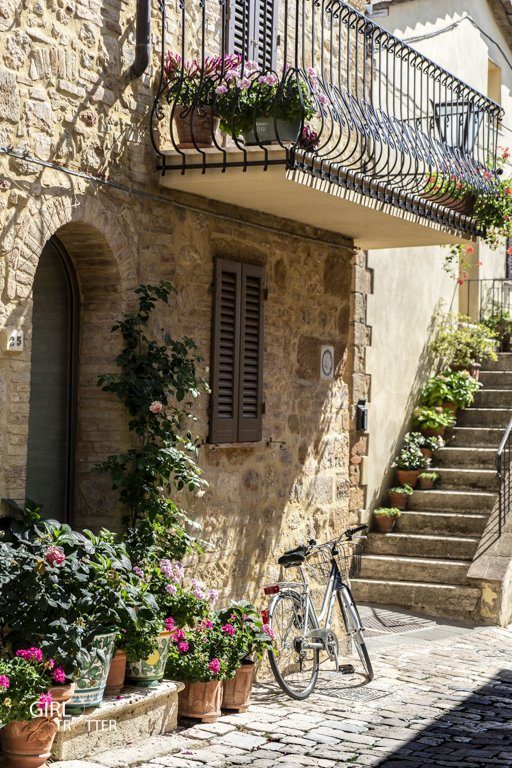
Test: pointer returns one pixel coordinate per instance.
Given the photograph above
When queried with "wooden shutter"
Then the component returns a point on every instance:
(251, 354)
(237, 353)
(252, 30)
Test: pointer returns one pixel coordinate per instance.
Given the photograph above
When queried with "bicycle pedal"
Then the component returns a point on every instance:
(346, 669)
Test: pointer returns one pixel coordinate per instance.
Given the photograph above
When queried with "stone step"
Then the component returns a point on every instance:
(416, 545)
(465, 457)
(414, 569)
(493, 398)
(469, 479)
(475, 437)
(503, 363)
(454, 600)
(452, 501)
(496, 379)
(452, 523)
(484, 417)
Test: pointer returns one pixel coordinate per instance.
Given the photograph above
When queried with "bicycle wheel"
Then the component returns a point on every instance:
(354, 627)
(295, 666)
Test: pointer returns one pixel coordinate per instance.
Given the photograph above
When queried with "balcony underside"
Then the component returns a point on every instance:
(304, 197)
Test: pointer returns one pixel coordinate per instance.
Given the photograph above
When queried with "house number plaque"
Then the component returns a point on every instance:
(326, 362)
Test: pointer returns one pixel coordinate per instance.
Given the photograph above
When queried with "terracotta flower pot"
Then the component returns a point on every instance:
(425, 485)
(437, 432)
(201, 701)
(195, 126)
(398, 500)
(385, 524)
(147, 673)
(408, 477)
(116, 674)
(60, 695)
(237, 691)
(473, 369)
(28, 743)
(427, 453)
(451, 407)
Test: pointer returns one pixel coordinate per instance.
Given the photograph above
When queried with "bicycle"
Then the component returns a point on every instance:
(300, 634)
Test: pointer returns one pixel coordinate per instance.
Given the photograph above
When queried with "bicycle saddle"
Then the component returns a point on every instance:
(292, 557)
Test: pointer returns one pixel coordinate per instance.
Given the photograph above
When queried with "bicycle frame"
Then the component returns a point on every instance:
(321, 622)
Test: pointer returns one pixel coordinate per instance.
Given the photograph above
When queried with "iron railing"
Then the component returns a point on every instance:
(347, 101)
(503, 468)
(490, 301)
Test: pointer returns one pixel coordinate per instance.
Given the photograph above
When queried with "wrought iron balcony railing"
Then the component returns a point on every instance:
(346, 100)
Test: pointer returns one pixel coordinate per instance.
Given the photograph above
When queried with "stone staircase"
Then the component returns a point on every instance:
(423, 564)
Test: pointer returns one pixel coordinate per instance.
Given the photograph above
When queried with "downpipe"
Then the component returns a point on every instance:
(142, 39)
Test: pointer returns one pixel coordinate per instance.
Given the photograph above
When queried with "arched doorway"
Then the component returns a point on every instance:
(52, 415)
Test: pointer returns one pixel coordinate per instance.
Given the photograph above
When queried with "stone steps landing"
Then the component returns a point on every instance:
(423, 564)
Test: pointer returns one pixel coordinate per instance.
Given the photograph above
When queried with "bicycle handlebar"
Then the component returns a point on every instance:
(348, 535)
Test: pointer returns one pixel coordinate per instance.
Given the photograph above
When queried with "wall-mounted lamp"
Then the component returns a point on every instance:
(362, 416)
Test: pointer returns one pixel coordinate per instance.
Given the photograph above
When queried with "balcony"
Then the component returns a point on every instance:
(319, 115)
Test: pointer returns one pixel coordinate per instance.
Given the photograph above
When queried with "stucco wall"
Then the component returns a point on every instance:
(409, 285)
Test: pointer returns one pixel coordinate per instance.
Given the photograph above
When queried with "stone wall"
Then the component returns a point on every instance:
(64, 99)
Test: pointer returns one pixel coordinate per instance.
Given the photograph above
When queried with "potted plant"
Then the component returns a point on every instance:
(29, 726)
(409, 463)
(427, 480)
(197, 657)
(432, 421)
(247, 639)
(451, 390)
(191, 88)
(465, 344)
(499, 320)
(399, 496)
(385, 518)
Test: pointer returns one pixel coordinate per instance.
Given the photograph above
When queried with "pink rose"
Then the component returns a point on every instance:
(156, 406)
(55, 555)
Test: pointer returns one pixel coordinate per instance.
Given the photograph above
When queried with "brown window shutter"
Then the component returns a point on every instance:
(252, 30)
(251, 354)
(225, 364)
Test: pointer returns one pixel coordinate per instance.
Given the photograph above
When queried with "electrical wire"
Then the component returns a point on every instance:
(10, 152)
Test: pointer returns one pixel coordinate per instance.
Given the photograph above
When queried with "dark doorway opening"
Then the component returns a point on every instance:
(52, 416)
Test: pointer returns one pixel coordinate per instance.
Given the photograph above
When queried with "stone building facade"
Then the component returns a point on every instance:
(76, 169)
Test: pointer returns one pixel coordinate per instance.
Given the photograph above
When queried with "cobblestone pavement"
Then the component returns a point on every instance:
(434, 702)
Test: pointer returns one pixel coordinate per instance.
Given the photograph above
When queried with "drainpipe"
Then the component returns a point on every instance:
(142, 33)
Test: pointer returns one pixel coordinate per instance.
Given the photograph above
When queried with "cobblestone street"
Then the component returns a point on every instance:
(440, 697)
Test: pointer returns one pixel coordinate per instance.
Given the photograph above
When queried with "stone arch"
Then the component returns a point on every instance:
(105, 263)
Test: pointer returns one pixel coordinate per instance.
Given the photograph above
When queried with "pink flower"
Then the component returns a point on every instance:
(4, 682)
(30, 654)
(51, 663)
(156, 406)
(171, 589)
(58, 676)
(55, 555)
(138, 571)
(228, 629)
(212, 596)
(183, 646)
(268, 631)
(470, 249)
(220, 89)
(44, 700)
(214, 666)
(169, 623)
(179, 635)
(172, 569)
(206, 624)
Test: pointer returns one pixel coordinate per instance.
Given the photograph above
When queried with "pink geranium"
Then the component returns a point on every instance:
(4, 682)
(228, 629)
(169, 623)
(44, 700)
(179, 635)
(214, 666)
(55, 555)
(183, 646)
(58, 676)
(30, 654)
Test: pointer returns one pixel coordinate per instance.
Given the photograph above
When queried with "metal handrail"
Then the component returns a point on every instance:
(381, 118)
(503, 469)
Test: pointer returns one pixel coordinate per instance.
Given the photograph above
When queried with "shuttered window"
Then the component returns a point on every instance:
(252, 30)
(237, 353)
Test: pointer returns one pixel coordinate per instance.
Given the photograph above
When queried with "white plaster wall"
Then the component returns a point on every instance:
(409, 285)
